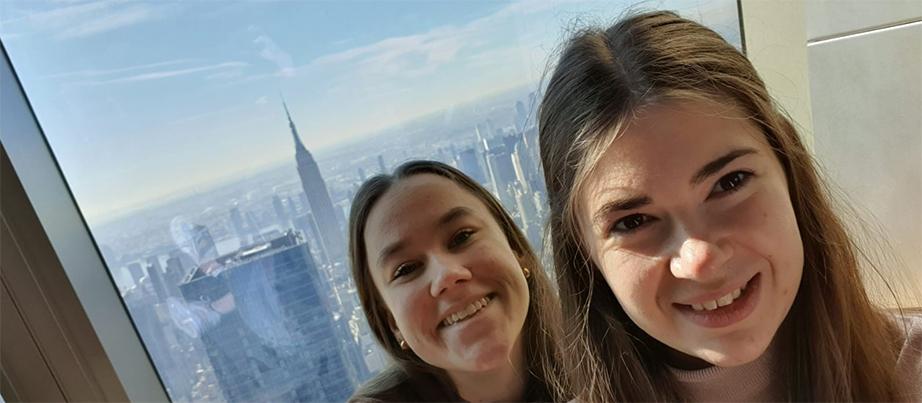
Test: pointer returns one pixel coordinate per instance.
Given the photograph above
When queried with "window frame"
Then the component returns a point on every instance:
(69, 236)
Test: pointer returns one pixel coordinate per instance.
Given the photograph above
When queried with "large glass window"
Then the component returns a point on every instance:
(214, 149)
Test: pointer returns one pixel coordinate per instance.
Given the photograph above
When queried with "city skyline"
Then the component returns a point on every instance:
(193, 106)
(218, 319)
(223, 229)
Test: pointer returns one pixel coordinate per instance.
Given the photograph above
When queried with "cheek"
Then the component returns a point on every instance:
(492, 264)
(410, 312)
(768, 227)
(634, 279)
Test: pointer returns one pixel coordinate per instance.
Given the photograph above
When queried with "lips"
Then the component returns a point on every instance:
(467, 312)
(730, 308)
(722, 301)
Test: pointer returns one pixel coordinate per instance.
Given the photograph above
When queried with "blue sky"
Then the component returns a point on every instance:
(141, 99)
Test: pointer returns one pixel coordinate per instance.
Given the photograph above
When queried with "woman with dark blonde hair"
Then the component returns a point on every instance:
(451, 290)
(697, 252)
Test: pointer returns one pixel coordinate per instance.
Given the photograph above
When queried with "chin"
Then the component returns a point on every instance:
(487, 357)
(744, 352)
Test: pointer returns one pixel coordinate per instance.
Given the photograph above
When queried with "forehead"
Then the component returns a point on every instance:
(665, 144)
(413, 206)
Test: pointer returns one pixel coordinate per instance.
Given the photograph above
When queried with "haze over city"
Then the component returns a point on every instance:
(146, 100)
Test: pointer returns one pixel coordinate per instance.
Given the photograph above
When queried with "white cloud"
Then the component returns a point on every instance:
(110, 21)
(70, 20)
(71, 14)
(105, 72)
(406, 56)
(225, 75)
(157, 75)
(270, 51)
(414, 55)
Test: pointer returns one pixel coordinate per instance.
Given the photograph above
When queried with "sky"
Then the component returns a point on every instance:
(141, 100)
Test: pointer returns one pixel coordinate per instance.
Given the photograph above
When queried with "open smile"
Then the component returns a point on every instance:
(468, 312)
(726, 310)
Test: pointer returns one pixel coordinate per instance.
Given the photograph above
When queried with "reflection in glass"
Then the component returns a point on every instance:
(220, 208)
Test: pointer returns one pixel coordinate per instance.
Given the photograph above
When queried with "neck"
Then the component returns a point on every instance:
(501, 384)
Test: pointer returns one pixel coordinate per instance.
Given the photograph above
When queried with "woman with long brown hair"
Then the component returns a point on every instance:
(451, 290)
(697, 252)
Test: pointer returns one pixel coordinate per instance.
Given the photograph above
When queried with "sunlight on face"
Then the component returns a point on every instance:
(689, 218)
(447, 274)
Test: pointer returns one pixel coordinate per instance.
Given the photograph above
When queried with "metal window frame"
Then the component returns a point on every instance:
(41, 178)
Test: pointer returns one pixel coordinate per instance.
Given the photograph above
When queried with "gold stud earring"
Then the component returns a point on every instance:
(526, 272)
(403, 344)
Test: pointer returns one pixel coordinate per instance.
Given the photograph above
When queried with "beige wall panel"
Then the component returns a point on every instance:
(867, 109)
(776, 41)
(826, 18)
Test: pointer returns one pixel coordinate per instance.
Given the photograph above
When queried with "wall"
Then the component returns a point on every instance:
(774, 36)
(865, 74)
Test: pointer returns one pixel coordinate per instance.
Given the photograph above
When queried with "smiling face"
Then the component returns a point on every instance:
(445, 271)
(688, 216)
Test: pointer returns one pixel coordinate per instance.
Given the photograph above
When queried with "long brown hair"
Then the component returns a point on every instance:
(844, 347)
(542, 320)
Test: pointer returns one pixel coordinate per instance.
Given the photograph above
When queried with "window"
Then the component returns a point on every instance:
(214, 149)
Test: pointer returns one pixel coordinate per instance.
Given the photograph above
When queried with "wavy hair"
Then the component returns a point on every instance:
(844, 347)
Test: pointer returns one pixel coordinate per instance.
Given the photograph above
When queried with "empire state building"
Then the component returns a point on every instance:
(318, 197)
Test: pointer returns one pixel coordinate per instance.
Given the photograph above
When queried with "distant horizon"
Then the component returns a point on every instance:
(177, 195)
(195, 107)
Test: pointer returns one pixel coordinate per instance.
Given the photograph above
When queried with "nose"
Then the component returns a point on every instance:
(699, 260)
(447, 273)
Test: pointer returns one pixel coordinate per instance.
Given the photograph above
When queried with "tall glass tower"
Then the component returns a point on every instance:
(318, 197)
(266, 325)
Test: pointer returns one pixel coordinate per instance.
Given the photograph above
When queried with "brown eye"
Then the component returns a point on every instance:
(405, 269)
(731, 182)
(460, 238)
(630, 223)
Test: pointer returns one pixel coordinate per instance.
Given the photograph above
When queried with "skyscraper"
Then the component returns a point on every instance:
(381, 167)
(136, 271)
(281, 215)
(521, 116)
(267, 326)
(237, 221)
(503, 172)
(318, 197)
(468, 163)
(155, 272)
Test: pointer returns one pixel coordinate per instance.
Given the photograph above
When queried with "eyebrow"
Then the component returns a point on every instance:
(447, 218)
(634, 202)
(619, 205)
(716, 165)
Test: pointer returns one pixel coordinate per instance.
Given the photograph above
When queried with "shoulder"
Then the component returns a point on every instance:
(398, 385)
(909, 363)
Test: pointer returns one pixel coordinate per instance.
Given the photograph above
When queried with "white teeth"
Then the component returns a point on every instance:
(722, 301)
(465, 313)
